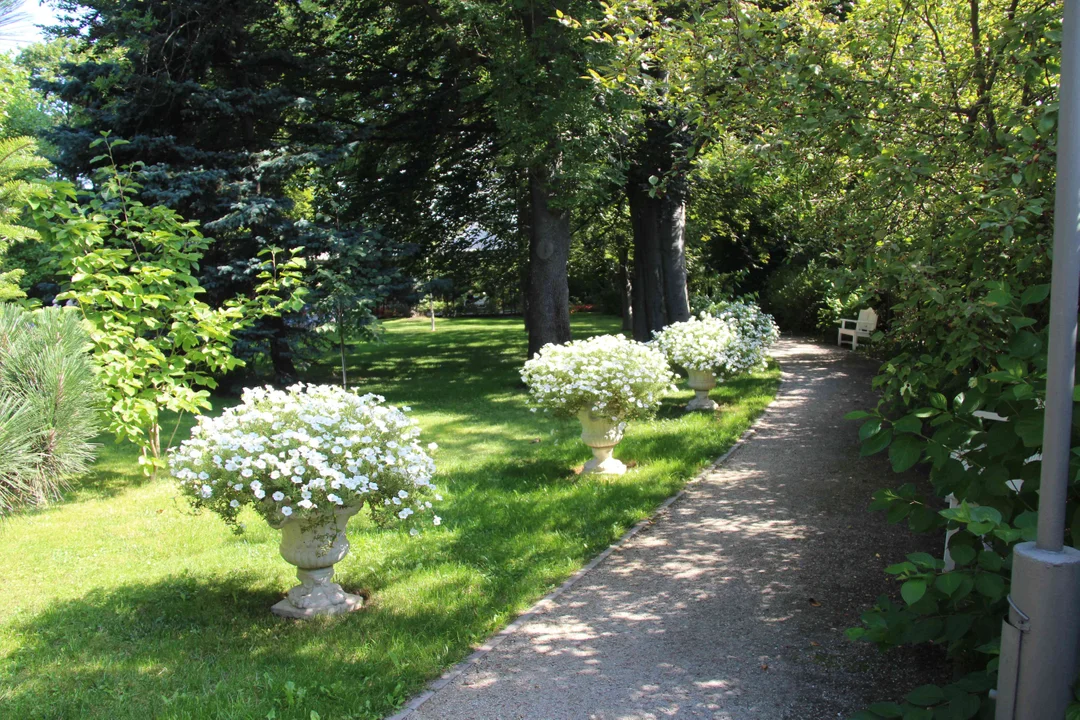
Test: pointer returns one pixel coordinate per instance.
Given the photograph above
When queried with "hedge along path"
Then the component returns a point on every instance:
(732, 600)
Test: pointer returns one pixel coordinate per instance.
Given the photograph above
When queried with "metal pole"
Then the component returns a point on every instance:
(1039, 639)
(1063, 295)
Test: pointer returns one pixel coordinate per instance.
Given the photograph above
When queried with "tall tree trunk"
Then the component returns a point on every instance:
(659, 225)
(548, 310)
(524, 228)
(647, 297)
(673, 255)
(626, 290)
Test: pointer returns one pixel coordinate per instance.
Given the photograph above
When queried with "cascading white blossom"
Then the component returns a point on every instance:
(755, 331)
(706, 344)
(607, 374)
(304, 452)
(729, 339)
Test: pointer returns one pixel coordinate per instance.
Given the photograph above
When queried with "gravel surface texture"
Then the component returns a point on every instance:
(731, 603)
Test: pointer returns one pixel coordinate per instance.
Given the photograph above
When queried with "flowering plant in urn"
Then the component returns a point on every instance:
(307, 459)
(711, 347)
(604, 381)
(755, 332)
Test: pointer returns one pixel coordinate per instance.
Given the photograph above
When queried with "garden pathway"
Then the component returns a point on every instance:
(731, 603)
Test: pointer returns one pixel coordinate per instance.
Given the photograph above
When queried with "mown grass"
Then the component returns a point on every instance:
(121, 603)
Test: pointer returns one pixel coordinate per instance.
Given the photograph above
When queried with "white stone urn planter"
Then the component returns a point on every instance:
(314, 548)
(701, 382)
(601, 434)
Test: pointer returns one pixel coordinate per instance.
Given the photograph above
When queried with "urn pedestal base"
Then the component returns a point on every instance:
(701, 383)
(316, 595)
(601, 434)
(314, 548)
(603, 464)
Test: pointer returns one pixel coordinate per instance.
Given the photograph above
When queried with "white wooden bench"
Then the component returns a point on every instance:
(863, 327)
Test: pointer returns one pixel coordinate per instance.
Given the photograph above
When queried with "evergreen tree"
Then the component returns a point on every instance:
(221, 101)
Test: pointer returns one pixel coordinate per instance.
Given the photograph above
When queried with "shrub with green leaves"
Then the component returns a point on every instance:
(19, 166)
(48, 403)
(980, 439)
(132, 270)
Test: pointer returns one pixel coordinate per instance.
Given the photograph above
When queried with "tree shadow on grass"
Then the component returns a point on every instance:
(209, 647)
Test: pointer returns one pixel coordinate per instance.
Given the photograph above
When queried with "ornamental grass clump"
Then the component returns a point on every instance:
(304, 453)
(606, 375)
(50, 404)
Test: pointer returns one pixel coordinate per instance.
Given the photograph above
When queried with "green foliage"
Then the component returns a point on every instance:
(802, 298)
(913, 146)
(946, 231)
(132, 275)
(224, 104)
(20, 165)
(981, 446)
(49, 401)
(347, 281)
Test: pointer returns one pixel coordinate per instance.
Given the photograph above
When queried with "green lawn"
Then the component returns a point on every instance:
(121, 603)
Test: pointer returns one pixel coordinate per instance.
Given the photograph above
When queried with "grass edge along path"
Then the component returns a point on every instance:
(121, 603)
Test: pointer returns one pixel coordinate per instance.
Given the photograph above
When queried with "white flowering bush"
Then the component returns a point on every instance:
(755, 332)
(607, 374)
(703, 344)
(305, 452)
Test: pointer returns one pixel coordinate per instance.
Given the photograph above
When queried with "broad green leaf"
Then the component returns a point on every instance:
(877, 443)
(908, 424)
(1035, 294)
(956, 626)
(926, 695)
(869, 428)
(1025, 344)
(919, 714)
(948, 583)
(912, 591)
(964, 707)
(905, 452)
(999, 298)
(962, 554)
(924, 560)
(990, 585)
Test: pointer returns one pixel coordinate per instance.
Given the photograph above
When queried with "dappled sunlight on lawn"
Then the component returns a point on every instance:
(129, 605)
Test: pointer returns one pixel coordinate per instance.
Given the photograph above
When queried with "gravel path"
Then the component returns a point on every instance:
(732, 604)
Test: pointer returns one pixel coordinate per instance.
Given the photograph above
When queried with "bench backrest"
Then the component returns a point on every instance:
(867, 321)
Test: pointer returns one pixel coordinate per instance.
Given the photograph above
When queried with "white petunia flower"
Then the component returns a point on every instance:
(294, 442)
